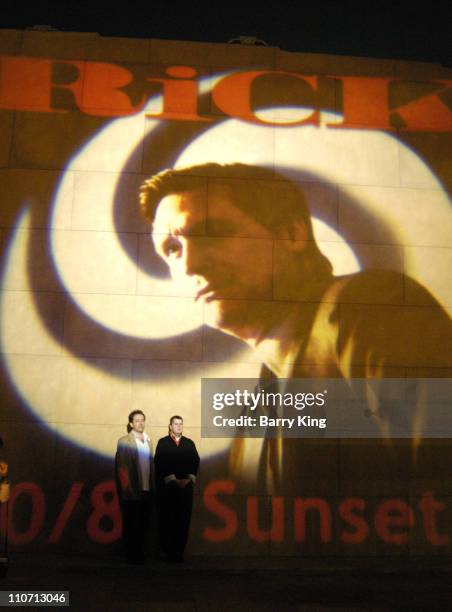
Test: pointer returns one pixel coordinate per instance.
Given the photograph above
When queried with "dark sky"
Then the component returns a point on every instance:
(401, 30)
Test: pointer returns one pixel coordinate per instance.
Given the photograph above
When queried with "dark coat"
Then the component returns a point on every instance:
(180, 460)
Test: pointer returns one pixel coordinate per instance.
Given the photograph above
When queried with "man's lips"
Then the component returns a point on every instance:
(206, 293)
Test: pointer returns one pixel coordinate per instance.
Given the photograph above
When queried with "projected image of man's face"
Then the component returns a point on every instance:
(230, 268)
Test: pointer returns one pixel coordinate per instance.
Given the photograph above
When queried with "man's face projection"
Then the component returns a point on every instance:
(225, 255)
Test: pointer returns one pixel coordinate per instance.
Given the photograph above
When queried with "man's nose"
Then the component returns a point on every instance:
(193, 255)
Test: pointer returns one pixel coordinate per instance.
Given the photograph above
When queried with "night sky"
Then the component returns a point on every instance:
(399, 30)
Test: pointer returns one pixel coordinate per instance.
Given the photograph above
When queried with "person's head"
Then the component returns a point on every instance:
(176, 425)
(136, 421)
(236, 239)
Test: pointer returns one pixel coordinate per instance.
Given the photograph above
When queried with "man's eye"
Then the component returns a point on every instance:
(171, 249)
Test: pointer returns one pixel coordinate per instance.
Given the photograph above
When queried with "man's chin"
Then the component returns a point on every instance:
(224, 315)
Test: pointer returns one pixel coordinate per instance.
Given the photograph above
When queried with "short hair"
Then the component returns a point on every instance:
(174, 417)
(244, 191)
(135, 412)
(269, 198)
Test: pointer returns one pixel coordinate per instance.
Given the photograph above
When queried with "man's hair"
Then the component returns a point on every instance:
(174, 417)
(133, 413)
(269, 198)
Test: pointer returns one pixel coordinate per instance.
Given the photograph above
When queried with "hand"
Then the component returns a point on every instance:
(183, 482)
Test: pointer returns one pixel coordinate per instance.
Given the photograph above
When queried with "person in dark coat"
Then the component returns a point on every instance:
(176, 466)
